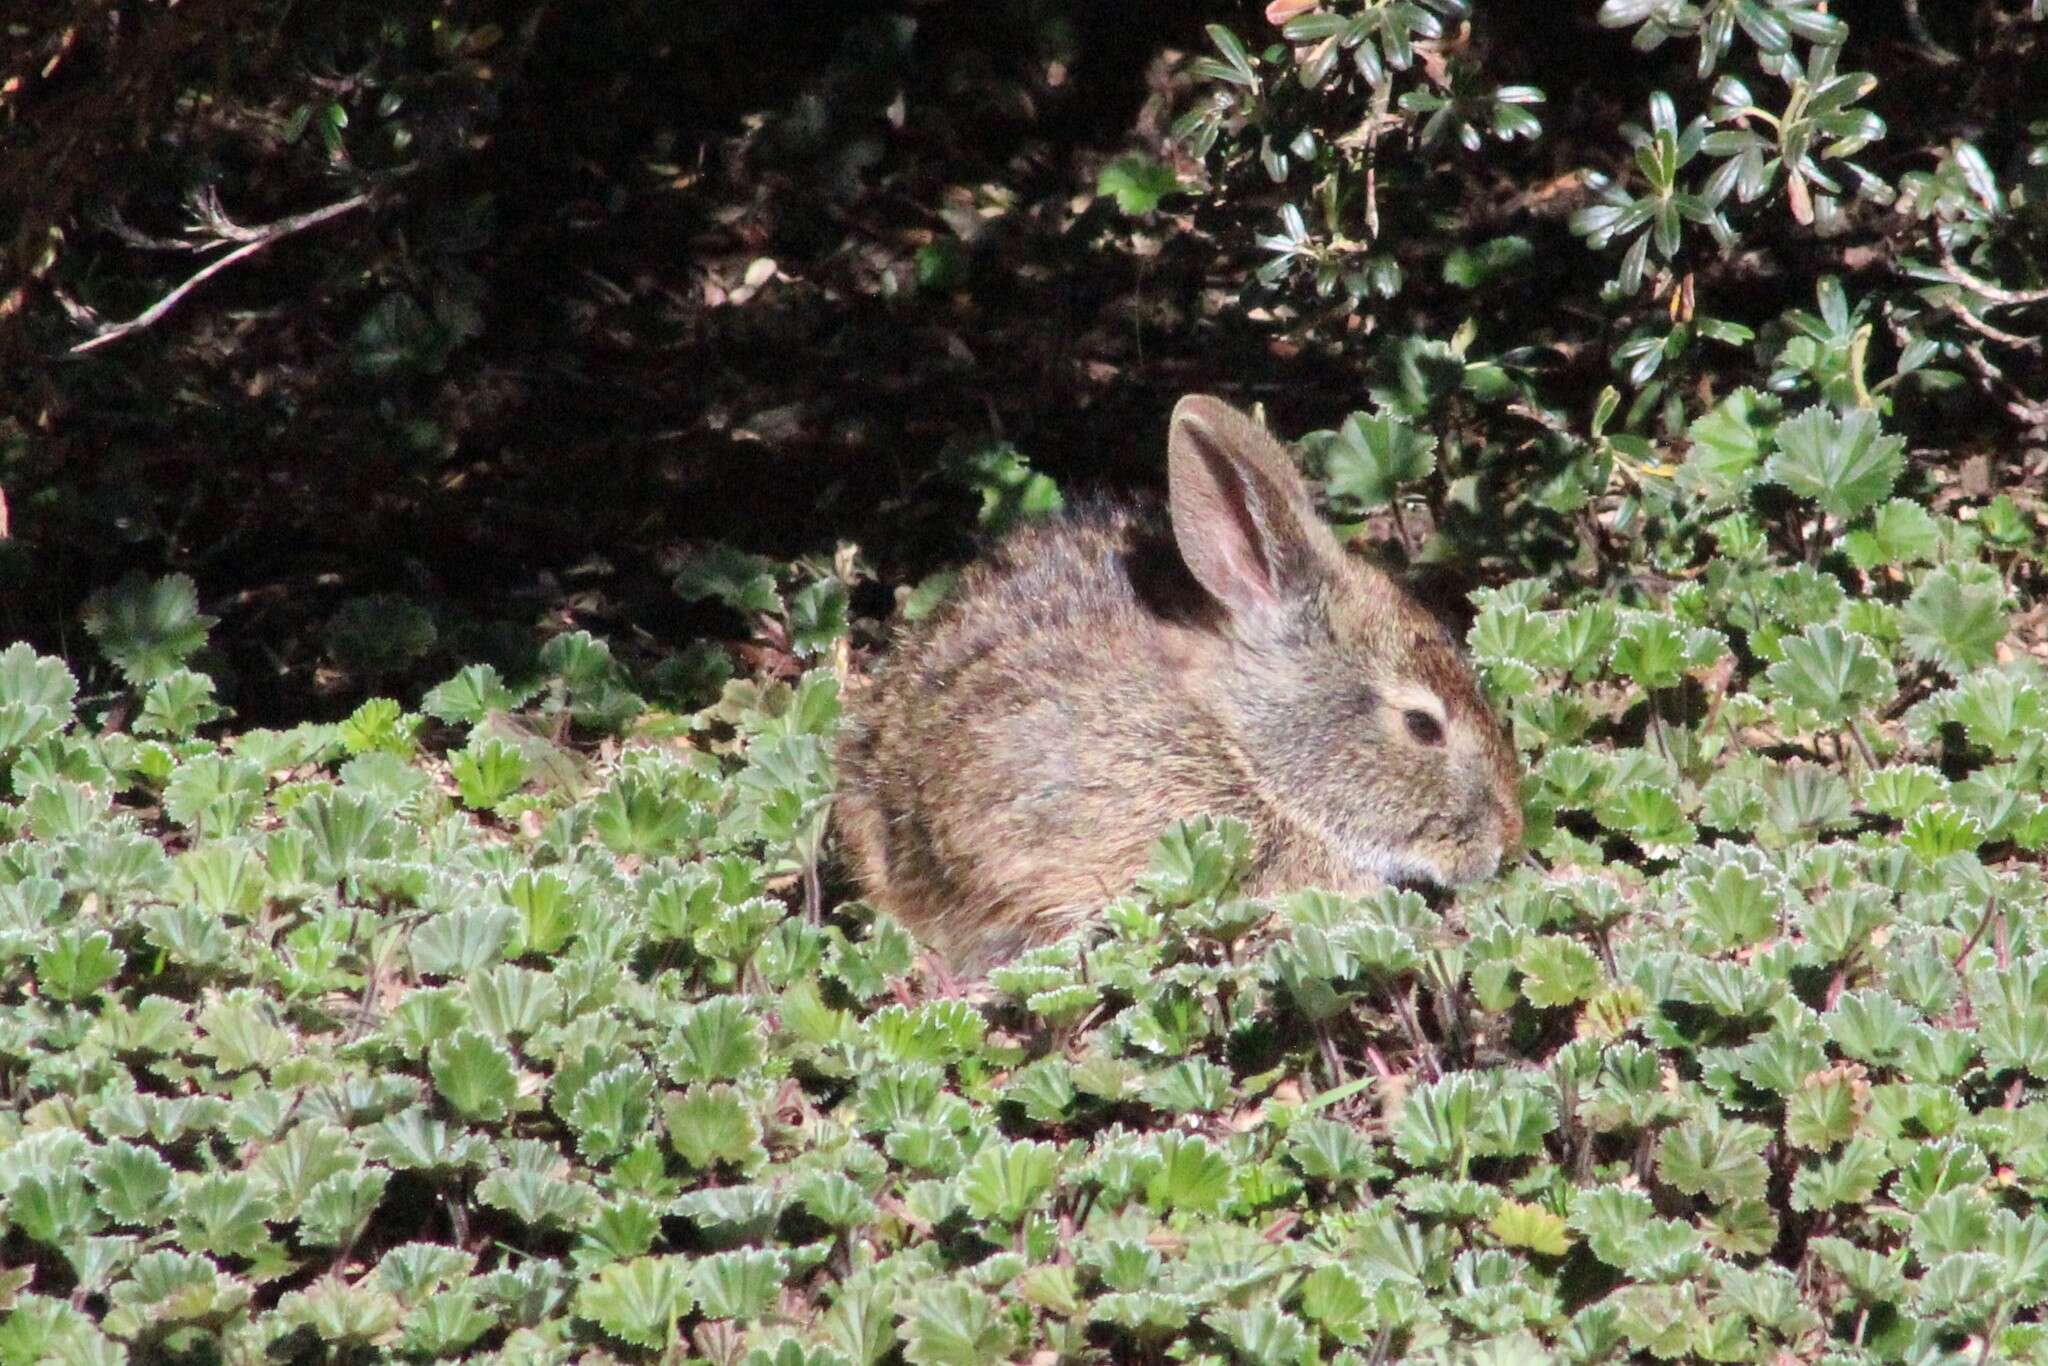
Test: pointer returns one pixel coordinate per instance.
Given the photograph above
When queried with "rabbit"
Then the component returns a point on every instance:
(1106, 672)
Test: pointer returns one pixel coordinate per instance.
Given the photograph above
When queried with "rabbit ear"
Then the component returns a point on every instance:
(1241, 514)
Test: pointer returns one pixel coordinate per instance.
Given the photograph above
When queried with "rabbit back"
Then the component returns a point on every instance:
(1016, 758)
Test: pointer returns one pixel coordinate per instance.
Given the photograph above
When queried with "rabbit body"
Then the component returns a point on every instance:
(1119, 668)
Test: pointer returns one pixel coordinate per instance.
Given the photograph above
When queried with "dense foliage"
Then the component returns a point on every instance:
(1690, 349)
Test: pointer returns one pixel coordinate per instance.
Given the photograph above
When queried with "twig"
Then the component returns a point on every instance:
(284, 227)
(1976, 324)
(2016, 402)
(1990, 910)
(214, 219)
(1331, 1058)
(1977, 284)
(135, 237)
(1382, 97)
(1425, 1052)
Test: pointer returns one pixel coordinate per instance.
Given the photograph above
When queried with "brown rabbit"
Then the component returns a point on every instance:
(1103, 674)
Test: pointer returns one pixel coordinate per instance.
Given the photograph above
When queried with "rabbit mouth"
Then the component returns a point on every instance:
(1409, 867)
(1404, 868)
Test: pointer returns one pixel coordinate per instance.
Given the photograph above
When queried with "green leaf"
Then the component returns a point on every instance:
(224, 1214)
(344, 830)
(1718, 1158)
(1898, 790)
(1651, 652)
(817, 616)
(548, 905)
(1472, 267)
(132, 1182)
(1190, 1086)
(1850, 1178)
(738, 1285)
(1999, 710)
(740, 581)
(382, 633)
(1845, 464)
(612, 1109)
(473, 694)
(1435, 1129)
(1734, 905)
(1532, 1227)
(1329, 1151)
(456, 943)
(240, 1031)
(1194, 1175)
(1366, 460)
(836, 1199)
(1263, 1334)
(446, 1323)
(1728, 442)
(940, 265)
(1335, 1297)
(921, 601)
(488, 772)
(148, 628)
(338, 1209)
(1197, 859)
(1956, 619)
(645, 812)
(1823, 1111)
(36, 695)
(717, 1040)
(1831, 674)
(1011, 491)
(1648, 814)
(950, 1324)
(1558, 971)
(54, 1208)
(78, 962)
(473, 1073)
(538, 1199)
(176, 704)
(380, 725)
(213, 794)
(1901, 533)
(1137, 182)
(1934, 832)
(937, 1031)
(638, 1301)
(1005, 1182)
(709, 1125)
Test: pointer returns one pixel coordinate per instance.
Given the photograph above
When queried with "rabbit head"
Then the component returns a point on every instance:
(1357, 714)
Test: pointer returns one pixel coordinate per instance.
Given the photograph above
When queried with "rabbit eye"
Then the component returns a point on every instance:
(1424, 728)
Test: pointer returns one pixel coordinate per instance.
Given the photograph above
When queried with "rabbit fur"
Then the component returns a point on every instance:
(1102, 674)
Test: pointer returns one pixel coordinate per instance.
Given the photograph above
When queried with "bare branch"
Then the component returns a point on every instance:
(1976, 324)
(1959, 274)
(211, 217)
(284, 227)
(1994, 382)
(136, 237)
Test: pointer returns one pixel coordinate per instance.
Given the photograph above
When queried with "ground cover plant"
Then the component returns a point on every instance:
(516, 1010)
(426, 1031)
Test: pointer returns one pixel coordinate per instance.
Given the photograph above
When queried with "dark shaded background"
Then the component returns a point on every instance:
(531, 376)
